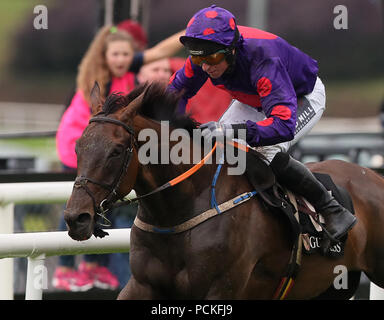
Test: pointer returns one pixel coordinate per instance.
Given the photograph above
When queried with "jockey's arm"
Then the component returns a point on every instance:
(279, 103)
(164, 49)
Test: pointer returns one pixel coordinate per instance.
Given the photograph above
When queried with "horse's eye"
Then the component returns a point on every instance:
(115, 152)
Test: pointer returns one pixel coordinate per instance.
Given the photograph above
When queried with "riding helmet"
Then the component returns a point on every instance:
(210, 30)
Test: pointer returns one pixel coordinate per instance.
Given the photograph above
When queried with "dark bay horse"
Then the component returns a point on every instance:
(240, 254)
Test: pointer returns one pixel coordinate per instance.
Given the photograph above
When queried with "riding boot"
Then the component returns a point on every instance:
(299, 179)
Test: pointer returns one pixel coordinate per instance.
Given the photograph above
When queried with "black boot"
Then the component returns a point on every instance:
(299, 179)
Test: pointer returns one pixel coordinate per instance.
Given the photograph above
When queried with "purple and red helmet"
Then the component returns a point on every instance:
(210, 30)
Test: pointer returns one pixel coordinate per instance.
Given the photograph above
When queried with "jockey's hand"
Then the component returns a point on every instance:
(213, 129)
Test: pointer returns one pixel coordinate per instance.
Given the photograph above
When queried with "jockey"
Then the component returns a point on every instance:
(265, 75)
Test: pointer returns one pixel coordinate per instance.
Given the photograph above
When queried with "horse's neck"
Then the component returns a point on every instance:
(174, 204)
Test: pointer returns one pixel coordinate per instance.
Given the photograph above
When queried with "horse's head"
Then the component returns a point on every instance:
(107, 162)
(107, 152)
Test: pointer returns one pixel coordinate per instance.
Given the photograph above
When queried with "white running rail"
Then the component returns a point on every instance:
(38, 245)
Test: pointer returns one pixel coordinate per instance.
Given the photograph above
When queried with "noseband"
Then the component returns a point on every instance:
(81, 181)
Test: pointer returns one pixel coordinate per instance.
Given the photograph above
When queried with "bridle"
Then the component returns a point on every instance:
(81, 181)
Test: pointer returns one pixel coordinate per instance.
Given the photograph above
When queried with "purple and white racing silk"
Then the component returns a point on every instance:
(269, 74)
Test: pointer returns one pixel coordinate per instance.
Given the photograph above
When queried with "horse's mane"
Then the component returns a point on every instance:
(158, 104)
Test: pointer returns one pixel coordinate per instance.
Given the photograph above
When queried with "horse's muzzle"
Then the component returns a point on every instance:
(80, 226)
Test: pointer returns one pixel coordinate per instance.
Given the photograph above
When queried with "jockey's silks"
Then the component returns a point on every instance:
(268, 74)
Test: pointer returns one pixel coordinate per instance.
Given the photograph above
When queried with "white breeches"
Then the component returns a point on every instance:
(308, 115)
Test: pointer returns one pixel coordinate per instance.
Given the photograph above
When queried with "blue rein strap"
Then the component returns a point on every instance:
(248, 195)
(213, 190)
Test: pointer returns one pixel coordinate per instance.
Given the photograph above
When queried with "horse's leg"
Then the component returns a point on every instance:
(375, 256)
(376, 270)
(373, 219)
(133, 290)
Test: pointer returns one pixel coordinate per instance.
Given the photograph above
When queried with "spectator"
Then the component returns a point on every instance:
(137, 32)
(159, 70)
(214, 100)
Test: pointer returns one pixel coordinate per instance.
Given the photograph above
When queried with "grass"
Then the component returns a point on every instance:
(43, 148)
(354, 98)
(13, 15)
(40, 145)
(35, 223)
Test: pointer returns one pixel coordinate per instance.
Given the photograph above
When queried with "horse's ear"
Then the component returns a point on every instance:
(134, 106)
(96, 102)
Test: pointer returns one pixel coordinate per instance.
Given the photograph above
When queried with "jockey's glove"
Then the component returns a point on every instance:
(213, 129)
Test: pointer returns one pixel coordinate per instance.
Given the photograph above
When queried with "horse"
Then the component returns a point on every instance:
(239, 254)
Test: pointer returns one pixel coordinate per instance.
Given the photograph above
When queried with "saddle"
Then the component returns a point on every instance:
(304, 220)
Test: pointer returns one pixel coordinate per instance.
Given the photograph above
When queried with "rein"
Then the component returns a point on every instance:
(184, 175)
(172, 182)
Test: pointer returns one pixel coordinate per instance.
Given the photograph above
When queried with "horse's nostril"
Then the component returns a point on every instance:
(83, 218)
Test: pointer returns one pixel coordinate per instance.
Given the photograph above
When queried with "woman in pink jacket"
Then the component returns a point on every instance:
(112, 62)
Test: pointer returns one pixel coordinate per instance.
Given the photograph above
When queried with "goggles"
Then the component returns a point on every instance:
(212, 59)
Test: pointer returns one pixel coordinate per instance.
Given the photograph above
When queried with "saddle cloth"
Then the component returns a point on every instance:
(312, 232)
